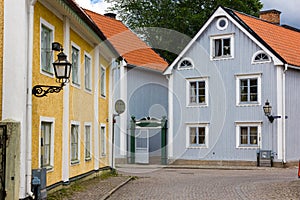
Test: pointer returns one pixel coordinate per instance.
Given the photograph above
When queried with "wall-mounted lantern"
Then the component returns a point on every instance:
(267, 110)
(62, 70)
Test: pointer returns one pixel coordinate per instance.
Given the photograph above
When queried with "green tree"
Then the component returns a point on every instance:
(173, 18)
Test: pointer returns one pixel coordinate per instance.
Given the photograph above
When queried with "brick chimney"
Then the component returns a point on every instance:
(272, 16)
(111, 15)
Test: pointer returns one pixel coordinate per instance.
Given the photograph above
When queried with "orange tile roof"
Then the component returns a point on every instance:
(129, 45)
(283, 41)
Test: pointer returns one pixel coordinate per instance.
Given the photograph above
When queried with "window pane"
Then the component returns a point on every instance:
(193, 139)
(74, 142)
(218, 47)
(226, 47)
(46, 54)
(201, 135)
(102, 141)
(253, 135)
(87, 141)
(87, 75)
(244, 135)
(103, 82)
(45, 143)
(193, 92)
(75, 65)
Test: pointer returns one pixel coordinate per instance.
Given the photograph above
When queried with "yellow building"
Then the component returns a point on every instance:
(68, 132)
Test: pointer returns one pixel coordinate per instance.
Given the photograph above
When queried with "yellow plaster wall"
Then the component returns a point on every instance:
(82, 106)
(50, 106)
(1, 52)
(103, 112)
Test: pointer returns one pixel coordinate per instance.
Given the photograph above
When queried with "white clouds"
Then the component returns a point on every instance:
(98, 6)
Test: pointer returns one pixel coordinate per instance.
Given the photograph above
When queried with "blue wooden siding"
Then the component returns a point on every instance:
(222, 112)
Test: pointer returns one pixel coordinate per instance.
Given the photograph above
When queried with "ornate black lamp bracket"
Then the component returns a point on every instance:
(43, 90)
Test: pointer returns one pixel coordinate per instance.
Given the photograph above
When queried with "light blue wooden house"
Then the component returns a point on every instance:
(218, 85)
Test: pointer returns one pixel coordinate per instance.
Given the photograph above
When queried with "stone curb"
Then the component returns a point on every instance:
(106, 196)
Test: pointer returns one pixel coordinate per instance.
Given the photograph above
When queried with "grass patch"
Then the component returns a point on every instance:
(77, 186)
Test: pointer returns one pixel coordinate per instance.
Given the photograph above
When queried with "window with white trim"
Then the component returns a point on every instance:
(47, 143)
(260, 57)
(87, 73)
(47, 36)
(248, 89)
(75, 145)
(102, 140)
(87, 138)
(197, 91)
(197, 135)
(222, 23)
(248, 134)
(185, 63)
(103, 81)
(75, 65)
(222, 47)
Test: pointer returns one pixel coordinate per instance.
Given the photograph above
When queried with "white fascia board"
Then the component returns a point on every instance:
(221, 12)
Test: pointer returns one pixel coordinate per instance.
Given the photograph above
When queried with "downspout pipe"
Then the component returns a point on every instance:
(284, 115)
(29, 97)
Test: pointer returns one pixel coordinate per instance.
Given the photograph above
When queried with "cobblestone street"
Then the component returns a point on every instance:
(267, 183)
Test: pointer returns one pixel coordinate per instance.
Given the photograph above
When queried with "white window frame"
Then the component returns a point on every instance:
(253, 61)
(76, 123)
(185, 59)
(212, 47)
(104, 87)
(52, 121)
(238, 126)
(218, 23)
(52, 28)
(89, 75)
(79, 65)
(88, 124)
(102, 137)
(196, 125)
(205, 104)
(238, 89)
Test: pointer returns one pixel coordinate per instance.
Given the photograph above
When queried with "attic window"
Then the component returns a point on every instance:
(260, 57)
(185, 63)
(222, 23)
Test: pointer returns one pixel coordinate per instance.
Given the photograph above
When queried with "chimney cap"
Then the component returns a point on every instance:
(270, 11)
(111, 15)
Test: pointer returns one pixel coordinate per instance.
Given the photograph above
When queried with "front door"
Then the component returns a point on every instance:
(142, 146)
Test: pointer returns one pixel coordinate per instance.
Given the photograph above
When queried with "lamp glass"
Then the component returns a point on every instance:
(62, 67)
(267, 108)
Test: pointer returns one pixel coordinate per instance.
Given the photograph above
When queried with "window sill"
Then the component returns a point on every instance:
(221, 58)
(248, 105)
(197, 147)
(47, 73)
(248, 147)
(197, 106)
(48, 168)
(88, 91)
(103, 155)
(88, 159)
(103, 96)
(75, 162)
(76, 85)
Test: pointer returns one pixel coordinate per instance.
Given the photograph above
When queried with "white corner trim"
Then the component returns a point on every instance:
(171, 116)
(279, 134)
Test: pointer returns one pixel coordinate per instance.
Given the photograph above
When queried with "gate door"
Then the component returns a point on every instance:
(2, 161)
(142, 146)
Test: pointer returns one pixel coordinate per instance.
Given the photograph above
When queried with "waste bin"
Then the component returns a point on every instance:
(265, 158)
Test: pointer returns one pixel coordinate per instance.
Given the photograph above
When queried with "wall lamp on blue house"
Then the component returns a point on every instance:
(62, 70)
(267, 110)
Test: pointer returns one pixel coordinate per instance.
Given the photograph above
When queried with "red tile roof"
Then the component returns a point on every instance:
(284, 41)
(129, 45)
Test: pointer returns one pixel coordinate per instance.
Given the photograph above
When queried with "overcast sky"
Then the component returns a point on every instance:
(290, 13)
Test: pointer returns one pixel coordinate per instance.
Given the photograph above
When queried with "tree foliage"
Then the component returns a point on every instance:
(182, 16)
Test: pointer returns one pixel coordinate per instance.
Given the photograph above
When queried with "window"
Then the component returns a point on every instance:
(185, 63)
(248, 134)
(46, 52)
(260, 57)
(222, 47)
(197, 135)
(87, 73)
(75, 65)
(102, 140)
(103, 81)
(87, 133)
(47, 142)
(222, 23)
(197, 91)
(74, 143)
(248, 90)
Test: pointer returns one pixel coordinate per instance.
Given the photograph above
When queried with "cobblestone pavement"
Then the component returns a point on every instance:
(263, 184)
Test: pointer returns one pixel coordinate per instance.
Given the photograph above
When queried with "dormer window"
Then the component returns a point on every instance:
(185, 63)
(260, 57)
(222, 47)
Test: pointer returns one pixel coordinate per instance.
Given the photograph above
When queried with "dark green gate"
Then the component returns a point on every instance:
(148, 122)
(3, 139)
